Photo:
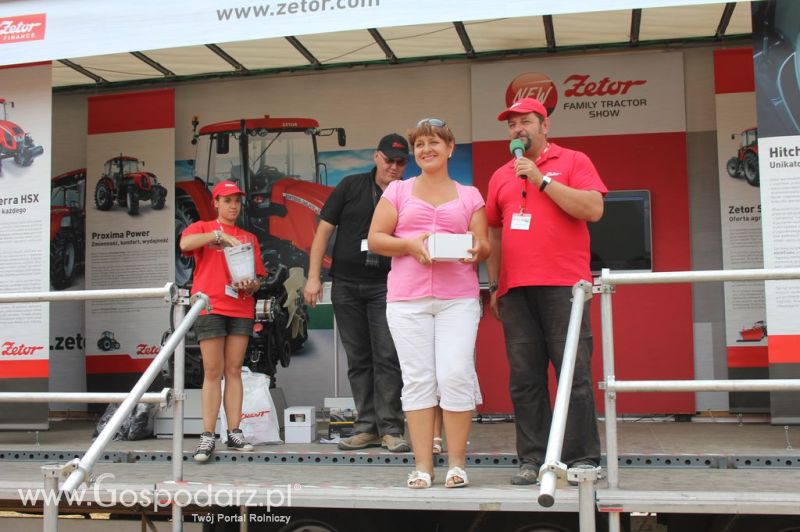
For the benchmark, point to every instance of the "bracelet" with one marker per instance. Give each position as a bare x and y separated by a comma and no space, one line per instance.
217,237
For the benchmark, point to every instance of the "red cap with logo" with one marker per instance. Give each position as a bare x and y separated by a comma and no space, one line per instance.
226,188
524,105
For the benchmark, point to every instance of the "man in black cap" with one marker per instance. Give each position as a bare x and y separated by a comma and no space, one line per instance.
359,298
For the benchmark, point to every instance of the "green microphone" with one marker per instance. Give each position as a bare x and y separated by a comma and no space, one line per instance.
517,149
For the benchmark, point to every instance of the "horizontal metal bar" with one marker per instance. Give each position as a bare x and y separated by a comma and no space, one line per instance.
87,295
78,397
608,277
754,385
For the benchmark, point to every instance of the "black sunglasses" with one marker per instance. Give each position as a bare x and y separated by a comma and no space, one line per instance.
435,122
399,162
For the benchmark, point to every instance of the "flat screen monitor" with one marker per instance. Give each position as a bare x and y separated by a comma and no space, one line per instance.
622,240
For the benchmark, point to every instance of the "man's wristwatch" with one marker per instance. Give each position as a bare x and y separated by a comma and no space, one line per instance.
545,181
492,287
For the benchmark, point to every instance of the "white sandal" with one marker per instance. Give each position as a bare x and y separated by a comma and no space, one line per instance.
437,446
454,473
418,476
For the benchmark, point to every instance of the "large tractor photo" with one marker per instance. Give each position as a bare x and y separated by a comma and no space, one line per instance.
67,227
745,163
15,143
125,182
275,161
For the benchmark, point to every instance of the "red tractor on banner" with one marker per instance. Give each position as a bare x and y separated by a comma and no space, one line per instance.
15,143
745,164
275,161
67,227
124,181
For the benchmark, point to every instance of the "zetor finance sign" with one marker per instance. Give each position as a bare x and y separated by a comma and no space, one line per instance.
22,28
578,87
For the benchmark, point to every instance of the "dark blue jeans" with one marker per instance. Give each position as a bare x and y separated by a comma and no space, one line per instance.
535,321
372,366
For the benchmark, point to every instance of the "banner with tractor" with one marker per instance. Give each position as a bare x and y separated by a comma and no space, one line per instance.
740,217
25,125
130,236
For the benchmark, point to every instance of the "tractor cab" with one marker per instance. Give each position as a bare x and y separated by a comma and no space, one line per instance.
69,190
5,103
749,138
119,166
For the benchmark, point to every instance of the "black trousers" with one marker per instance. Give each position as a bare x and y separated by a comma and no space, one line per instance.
535,321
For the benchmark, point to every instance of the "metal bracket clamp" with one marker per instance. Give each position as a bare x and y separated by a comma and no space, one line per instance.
60,470
196,296
586,286
559,469
584,473
603,288
172,297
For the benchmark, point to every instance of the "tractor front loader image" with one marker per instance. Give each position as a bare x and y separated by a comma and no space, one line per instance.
15,143
123,181
67,227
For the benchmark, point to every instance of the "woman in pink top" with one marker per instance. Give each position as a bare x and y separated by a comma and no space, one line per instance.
433,307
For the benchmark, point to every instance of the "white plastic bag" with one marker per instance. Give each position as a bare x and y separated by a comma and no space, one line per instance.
259,421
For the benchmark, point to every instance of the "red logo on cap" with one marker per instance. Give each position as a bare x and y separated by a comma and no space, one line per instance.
22,28
533,85
397,145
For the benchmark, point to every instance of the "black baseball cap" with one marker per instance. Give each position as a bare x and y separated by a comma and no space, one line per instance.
394,146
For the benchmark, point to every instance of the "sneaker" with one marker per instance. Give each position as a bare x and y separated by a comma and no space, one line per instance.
395,443
527,475
205,448
362,440
236,441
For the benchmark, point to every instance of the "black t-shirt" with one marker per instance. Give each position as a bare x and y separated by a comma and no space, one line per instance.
349,208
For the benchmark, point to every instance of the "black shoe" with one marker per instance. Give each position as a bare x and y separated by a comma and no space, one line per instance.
527,475
205,448
236,441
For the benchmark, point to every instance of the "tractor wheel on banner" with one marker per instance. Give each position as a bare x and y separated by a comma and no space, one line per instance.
159,197
105,344
751,168
62,261
103,194
132,199
733,167
185,215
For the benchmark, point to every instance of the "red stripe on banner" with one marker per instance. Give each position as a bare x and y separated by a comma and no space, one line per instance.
733,71
115,364
24,369
784,348
753,356
133,111
25,65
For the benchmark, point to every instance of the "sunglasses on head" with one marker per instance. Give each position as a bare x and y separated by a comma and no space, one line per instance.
399,162
435,122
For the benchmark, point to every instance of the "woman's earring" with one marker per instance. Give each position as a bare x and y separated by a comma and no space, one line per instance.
450,156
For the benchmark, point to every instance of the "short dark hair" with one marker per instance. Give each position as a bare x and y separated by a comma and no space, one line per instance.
427,130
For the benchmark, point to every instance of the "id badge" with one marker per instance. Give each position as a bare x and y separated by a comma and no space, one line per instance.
521,222
231,291
364,246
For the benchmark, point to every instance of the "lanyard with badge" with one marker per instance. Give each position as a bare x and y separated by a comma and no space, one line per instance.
521,221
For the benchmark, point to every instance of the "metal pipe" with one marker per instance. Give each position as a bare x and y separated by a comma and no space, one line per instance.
606,277
87,462
754,385
51,497
610,397
178,375
82,397
335,358
166,291
555,442
586,506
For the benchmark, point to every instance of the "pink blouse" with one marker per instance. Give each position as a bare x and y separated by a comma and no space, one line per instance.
409,279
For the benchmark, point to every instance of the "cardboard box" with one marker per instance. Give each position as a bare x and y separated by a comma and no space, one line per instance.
300,424
449,247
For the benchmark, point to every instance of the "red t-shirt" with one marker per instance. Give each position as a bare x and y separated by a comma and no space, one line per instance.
554,251
211,271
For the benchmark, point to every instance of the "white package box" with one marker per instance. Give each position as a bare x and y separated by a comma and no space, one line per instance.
241,262
299,424
449,247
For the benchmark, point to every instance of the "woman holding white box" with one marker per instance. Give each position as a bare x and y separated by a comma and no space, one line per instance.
433,305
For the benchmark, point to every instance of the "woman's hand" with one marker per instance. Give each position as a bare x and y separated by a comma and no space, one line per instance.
249,286
475,250
417,247
228,241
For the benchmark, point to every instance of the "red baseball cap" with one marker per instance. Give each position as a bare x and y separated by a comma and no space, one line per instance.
225,188
524,105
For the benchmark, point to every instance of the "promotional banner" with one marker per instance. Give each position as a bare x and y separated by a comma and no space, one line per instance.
35,30
777,72
129,231
740,213
25,126
627,113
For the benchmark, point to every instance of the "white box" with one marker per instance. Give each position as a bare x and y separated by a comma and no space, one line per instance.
449,247
300,424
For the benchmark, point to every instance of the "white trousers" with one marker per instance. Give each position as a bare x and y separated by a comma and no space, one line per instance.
435,341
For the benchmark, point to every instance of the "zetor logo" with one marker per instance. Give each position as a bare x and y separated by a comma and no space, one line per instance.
262,413
23,28
533,85
580,85
144,349
15,349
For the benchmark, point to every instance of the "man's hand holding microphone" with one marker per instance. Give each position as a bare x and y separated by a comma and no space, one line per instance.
524,167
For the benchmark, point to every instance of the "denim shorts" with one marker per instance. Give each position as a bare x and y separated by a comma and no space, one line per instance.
214,325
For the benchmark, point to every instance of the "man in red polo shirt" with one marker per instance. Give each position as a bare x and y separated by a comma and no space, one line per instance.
537,207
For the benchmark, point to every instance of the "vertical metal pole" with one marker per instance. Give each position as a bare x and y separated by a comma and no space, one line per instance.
335,358
51,473
612,451
179,396
586,505
244,518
